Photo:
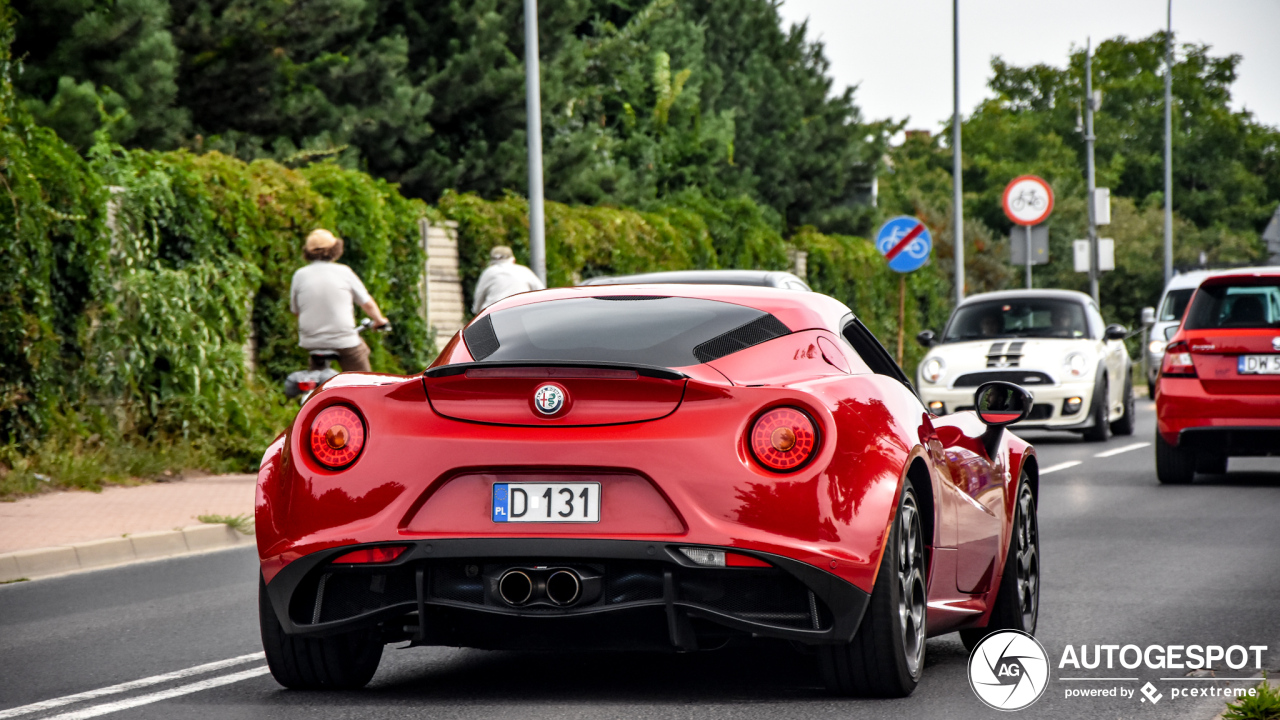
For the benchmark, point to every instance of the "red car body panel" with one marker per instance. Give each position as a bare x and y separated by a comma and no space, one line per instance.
672,457
1218,396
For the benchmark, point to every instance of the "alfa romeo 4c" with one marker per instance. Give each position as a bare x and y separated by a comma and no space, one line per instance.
664,466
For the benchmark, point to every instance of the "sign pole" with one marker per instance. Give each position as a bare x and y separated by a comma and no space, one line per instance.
1090,180
902,312
957,184
1028,229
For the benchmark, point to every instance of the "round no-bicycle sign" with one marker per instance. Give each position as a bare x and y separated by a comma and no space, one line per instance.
1028,200
905,242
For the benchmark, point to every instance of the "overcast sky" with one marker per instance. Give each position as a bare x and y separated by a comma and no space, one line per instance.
898,52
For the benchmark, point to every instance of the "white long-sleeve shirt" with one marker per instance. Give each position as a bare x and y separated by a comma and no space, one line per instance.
503,279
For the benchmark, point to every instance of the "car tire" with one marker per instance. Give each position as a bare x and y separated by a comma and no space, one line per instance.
337,662
1174,465
1017,601
886,657
1125,425
1151,390
1101,430
1211,463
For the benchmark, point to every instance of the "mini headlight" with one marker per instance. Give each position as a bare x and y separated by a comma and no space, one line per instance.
1076,364
1156,347
933,369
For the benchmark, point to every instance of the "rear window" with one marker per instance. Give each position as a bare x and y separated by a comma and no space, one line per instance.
1246,305
644,330
1175,304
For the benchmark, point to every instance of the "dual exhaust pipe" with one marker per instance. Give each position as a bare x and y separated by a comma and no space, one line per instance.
561,587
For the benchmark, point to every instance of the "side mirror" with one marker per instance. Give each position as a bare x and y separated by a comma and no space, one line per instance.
1148,316
926,338
999,404
1116,332
1170,331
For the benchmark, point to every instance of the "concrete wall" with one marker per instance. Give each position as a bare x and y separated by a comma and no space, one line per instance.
442,292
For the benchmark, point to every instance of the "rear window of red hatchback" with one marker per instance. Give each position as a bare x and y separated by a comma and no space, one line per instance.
1245,302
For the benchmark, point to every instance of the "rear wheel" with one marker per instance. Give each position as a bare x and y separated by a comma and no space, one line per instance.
1017,602
1174,465
886,657
337,662
1101,430
1125,425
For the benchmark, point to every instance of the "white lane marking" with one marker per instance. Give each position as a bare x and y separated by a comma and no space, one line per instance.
133,702
1060,466
131,685
1125,449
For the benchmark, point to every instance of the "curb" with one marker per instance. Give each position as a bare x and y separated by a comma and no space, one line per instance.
95,554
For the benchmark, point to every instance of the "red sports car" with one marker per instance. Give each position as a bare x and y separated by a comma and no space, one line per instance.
1218,392
660,466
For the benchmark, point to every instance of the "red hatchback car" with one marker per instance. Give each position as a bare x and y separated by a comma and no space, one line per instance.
662,466
1218,393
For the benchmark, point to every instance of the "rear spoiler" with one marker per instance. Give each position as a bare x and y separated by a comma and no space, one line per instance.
551,366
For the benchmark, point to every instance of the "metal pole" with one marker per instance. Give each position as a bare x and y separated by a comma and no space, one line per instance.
1088,140
957,200
1028,228
1168,151
533,106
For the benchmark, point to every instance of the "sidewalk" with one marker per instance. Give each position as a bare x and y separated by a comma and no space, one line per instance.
66,518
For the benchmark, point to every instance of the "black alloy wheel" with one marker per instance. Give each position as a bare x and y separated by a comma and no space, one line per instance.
886,656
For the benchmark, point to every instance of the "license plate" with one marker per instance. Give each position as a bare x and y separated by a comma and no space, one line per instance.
546,502
1259,365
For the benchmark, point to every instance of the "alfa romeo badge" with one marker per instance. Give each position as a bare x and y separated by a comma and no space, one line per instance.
549,399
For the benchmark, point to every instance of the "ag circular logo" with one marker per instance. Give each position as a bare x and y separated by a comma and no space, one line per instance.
549,399
1009,670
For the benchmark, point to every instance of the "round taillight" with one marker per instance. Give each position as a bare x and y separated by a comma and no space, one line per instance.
783,439
337,436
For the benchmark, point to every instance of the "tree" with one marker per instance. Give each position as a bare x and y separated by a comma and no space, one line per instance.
90,64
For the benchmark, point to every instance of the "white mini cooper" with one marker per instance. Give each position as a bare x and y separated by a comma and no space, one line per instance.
1051,342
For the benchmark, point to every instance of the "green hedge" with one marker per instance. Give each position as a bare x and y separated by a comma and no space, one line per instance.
695,232
137,284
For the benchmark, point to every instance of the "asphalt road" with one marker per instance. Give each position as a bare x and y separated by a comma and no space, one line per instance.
1125,561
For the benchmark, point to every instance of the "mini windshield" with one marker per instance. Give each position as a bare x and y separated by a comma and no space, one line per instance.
1175,304
1041,317
1236,306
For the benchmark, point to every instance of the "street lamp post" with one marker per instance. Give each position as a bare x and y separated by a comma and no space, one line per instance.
957,204
1168,151
1091,179
533,106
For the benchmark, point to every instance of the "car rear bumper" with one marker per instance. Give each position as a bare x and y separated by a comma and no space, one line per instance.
1236,425
443,592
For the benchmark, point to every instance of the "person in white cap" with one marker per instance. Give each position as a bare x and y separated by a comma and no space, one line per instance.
503,278
322,297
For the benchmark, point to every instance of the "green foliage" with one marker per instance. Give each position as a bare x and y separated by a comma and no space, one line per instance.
642,99
240,523
99,64
1263,706
144,320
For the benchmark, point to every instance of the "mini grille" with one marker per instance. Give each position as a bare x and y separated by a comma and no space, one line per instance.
482,341
1017,377
762,329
